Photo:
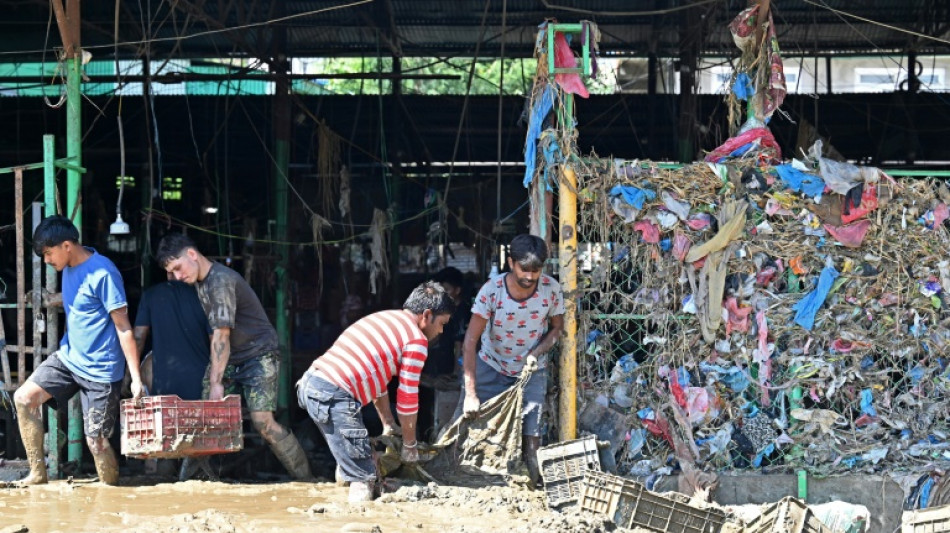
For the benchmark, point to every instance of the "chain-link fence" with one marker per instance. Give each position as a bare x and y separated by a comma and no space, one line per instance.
738,324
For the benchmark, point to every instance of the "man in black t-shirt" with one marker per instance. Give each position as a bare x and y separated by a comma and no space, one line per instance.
171,313
244,349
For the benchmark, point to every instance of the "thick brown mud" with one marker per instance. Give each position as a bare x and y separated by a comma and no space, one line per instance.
214,507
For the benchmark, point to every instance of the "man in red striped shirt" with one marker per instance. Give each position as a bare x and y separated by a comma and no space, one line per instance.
357,369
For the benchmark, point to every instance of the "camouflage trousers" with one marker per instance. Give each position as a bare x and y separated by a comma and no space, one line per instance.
255,379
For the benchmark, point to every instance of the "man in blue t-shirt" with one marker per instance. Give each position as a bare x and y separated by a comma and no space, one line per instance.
181,337
90,356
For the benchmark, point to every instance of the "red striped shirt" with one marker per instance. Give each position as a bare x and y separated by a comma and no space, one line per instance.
370,352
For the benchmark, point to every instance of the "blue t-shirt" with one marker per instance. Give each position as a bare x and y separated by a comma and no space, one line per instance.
90,347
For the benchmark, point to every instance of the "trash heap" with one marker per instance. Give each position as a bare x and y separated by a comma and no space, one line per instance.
748,312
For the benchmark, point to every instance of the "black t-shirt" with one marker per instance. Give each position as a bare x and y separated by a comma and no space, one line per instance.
440,360
180,338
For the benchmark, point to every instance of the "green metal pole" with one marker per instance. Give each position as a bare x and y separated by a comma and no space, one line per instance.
49,207
282,133
74,211
282,164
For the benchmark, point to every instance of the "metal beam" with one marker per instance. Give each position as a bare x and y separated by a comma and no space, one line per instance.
174,77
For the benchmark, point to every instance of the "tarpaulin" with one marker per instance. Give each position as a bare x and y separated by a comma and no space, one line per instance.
851,235
564,58
539,110
798,181
634,196
808,306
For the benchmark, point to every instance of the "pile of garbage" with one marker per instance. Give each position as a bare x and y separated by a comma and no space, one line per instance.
746,312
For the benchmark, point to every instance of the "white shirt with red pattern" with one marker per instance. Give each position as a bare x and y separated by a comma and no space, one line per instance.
371,351
515,326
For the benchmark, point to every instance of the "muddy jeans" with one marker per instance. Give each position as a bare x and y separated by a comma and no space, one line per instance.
337,414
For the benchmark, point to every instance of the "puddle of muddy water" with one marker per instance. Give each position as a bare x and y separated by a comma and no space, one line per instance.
212,507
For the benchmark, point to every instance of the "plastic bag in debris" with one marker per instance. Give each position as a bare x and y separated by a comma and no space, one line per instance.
733,377
742,86
634,196
868,199
677,207
935,217
650,232
843,517
681,246
807,307
564,58
624,210
736,318
760,139
636,440
798,181
851,235
842,177
666,219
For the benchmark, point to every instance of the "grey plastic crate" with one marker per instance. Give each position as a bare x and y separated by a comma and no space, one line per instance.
563,466
629,504
933,520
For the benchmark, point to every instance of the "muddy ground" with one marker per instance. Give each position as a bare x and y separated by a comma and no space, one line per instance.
142,505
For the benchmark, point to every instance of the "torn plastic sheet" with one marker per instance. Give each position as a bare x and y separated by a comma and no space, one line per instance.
564,58
807,307
798,181
539,111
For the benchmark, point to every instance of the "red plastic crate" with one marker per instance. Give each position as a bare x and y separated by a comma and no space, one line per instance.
169,427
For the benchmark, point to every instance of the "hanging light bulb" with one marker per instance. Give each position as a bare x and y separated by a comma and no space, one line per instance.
120,227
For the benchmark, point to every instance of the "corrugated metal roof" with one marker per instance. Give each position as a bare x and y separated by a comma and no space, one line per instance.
438,27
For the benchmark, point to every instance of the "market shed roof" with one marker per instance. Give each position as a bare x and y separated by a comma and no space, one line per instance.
205,28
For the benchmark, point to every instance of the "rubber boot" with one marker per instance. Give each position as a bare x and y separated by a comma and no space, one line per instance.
529,451
107,467
31,433
292,456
